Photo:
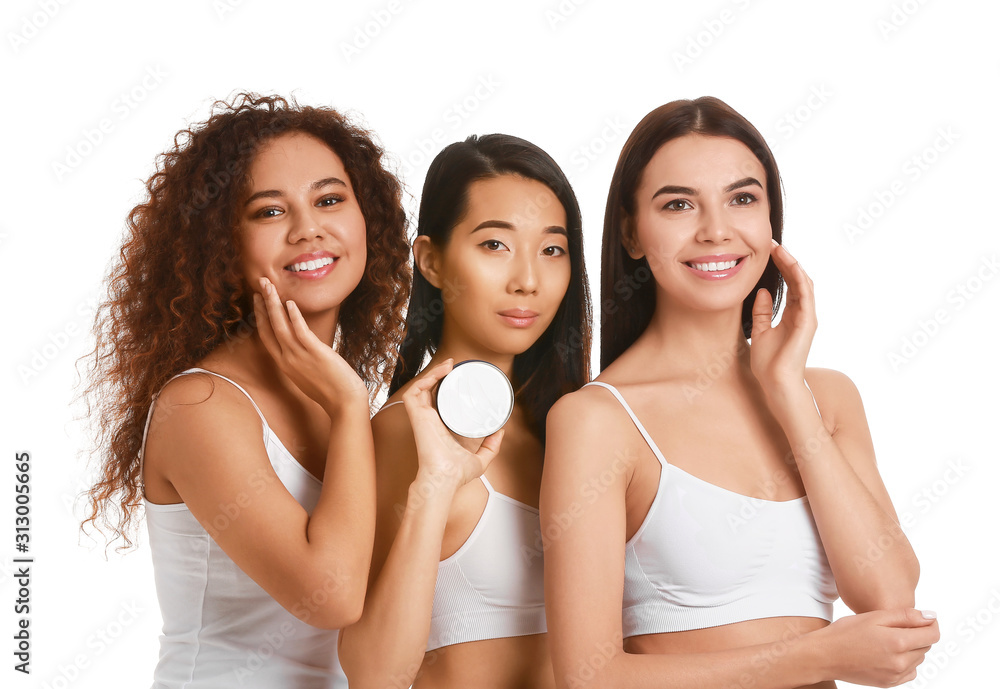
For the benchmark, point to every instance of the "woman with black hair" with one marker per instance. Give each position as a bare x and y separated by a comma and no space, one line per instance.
455,593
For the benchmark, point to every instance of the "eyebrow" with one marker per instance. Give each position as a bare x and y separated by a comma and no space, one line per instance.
276,193
672,189
504,225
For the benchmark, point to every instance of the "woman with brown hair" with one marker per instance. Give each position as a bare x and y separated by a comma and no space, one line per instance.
701,508
256,306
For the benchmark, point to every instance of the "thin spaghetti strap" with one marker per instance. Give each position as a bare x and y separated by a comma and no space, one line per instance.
386,406
486,482
233,383
149,414
635,419
815,404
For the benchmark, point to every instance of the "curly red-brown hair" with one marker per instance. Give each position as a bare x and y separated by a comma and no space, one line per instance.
177,292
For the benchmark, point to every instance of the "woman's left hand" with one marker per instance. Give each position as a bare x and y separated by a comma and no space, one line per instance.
778,353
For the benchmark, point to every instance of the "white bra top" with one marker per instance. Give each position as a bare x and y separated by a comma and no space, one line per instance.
705,556
220,628
492,586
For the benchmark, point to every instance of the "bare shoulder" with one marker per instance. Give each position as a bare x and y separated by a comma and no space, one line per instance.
198,411
836,394
589,424
391,426
396,460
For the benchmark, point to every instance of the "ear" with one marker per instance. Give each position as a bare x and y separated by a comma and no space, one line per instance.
632,247
427,259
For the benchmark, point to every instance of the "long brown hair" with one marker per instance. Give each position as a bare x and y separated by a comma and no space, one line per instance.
628,292
176,292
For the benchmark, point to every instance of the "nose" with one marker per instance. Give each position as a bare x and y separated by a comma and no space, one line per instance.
713,225
306,225
523,275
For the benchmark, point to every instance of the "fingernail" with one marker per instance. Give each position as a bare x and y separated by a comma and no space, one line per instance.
774,242
928,614
291,304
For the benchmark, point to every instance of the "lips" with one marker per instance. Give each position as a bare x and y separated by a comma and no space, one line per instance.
518,318
716,267
312,265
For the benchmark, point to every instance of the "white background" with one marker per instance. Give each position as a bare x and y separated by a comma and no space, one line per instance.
847,93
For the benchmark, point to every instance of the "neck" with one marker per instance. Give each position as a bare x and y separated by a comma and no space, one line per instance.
250,355
690,342
324,325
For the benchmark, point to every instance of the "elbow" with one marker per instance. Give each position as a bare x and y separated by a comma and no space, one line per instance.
891,592
332,600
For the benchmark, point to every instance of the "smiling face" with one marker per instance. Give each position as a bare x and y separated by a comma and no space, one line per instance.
505,269
301,226
702,221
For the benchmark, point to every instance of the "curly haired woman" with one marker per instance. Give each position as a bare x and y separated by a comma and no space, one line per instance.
252,313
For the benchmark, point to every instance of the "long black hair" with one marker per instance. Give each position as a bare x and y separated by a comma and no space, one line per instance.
559,362
627,291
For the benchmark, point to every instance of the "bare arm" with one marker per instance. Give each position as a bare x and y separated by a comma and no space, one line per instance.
871,558
584,574
206,439
417,479
210,448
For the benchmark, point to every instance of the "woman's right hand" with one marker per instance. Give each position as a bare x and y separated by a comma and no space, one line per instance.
315,367
881,648
442,459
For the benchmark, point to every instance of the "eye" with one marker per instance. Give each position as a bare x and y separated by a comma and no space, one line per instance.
744,198
493,245
268,212
331,200
678,205
554,250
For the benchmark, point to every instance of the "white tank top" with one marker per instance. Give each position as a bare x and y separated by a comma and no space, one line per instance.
705,556
492,586
221,629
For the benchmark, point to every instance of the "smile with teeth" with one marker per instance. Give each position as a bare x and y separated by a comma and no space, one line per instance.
713,266
310,265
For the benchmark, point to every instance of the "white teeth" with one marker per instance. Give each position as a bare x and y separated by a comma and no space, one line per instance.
713,266
310,265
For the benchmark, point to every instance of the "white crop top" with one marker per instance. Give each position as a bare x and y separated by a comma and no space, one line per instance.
492,586
705,556
220,628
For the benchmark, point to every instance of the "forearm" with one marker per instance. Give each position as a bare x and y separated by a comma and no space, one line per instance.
341,529
787,663
871,559
385,648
